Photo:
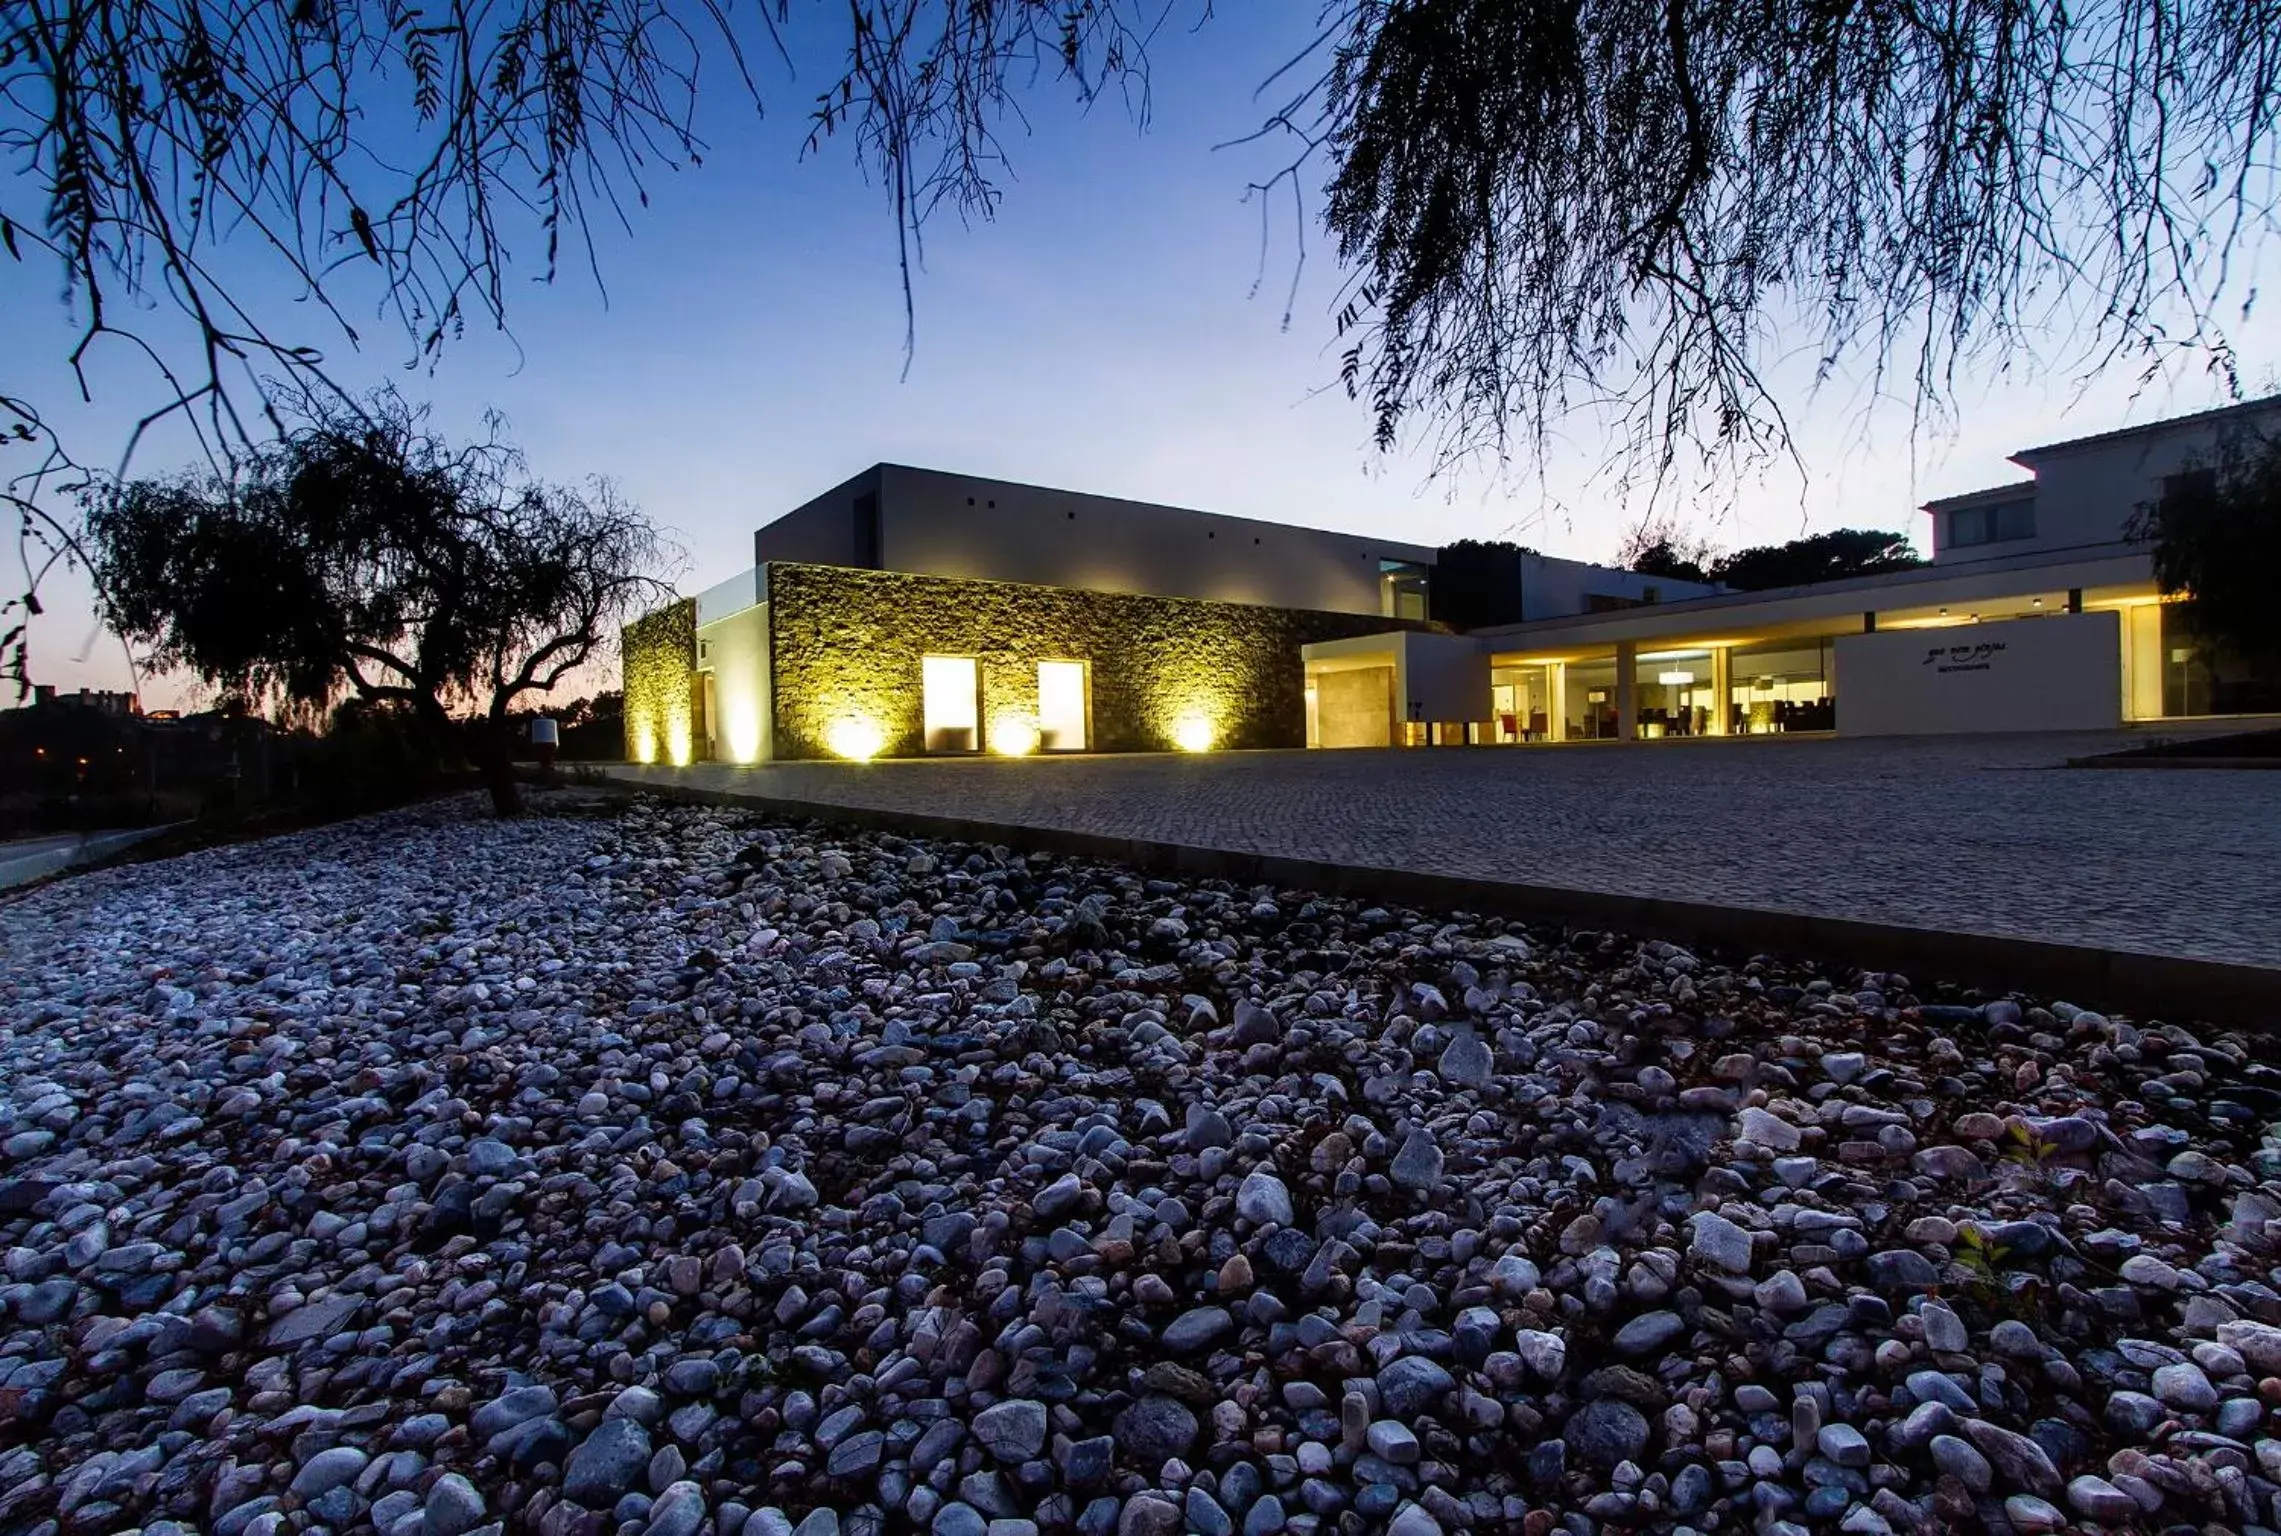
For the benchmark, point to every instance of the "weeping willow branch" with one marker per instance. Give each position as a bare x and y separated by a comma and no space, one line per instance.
1633,204
406,158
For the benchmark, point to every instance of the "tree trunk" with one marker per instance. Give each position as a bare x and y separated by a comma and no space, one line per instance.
497,766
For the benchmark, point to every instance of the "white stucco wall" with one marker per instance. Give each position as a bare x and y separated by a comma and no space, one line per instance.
1443,678
2087,490
1436,678
2062,673
1553,588
1069,539
735,651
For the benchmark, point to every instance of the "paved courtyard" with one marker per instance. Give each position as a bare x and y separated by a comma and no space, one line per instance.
1982,835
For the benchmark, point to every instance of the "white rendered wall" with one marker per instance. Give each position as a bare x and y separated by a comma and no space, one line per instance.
735,651
2062,673
1098,543
1443,678
1436,678
2086,494
1553,588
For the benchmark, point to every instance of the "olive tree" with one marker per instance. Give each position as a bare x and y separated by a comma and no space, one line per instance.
364,555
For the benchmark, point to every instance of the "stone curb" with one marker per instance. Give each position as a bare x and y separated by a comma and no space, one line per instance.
2169,987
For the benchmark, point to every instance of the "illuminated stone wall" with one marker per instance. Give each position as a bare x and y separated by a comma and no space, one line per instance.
845,647
660,658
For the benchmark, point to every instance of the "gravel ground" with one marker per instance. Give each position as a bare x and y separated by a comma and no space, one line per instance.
659,1169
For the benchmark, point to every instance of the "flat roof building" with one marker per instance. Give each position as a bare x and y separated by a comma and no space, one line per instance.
911,611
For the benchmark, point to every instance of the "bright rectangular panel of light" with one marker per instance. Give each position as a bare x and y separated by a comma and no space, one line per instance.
1061,706
948,697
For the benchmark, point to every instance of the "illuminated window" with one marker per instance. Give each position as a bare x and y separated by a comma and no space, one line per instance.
1061,706
950,694
1402,589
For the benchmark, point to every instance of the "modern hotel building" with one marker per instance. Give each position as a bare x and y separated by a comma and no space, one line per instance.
911,612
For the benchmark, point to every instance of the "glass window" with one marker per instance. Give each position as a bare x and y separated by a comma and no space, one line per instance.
1782,688
1402,589
1968,526
1591,699
950,696
1061,706
1672,693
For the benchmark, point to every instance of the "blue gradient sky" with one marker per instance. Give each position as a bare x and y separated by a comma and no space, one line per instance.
1101,334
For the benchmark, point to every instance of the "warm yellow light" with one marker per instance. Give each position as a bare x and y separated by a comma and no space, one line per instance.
855,738
645,745
1192,733
1013,736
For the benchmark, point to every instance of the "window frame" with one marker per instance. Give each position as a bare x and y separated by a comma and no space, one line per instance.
973,726
1084,698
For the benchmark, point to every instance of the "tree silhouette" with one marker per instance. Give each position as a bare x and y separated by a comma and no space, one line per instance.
1831,556
1618,205
363,554
2216,537
408,159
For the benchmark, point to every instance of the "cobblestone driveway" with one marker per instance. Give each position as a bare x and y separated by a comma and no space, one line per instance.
1982,835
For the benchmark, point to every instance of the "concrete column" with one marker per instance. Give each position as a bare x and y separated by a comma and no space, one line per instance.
2074,599
1722,689
1556,701
1627,692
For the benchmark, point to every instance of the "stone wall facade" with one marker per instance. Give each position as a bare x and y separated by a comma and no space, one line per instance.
659,657
846,645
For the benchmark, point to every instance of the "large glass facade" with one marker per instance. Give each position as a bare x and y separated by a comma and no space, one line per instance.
1523,706
2201,679
1782,687
1590,699
1675,693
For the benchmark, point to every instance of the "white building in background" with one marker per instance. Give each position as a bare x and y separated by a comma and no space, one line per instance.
2035,613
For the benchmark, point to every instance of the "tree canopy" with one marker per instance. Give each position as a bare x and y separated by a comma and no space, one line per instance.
1831,556
1659,546
172,160
2216,540
363,553
1638,205
1477,582
1625,207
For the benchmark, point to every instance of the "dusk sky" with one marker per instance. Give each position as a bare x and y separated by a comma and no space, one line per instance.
1101,335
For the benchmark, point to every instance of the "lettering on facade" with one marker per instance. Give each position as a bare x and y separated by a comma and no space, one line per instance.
1963,658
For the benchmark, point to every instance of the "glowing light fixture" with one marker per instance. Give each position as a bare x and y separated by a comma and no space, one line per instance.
1013,736
1192,733
1675,679
856,738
